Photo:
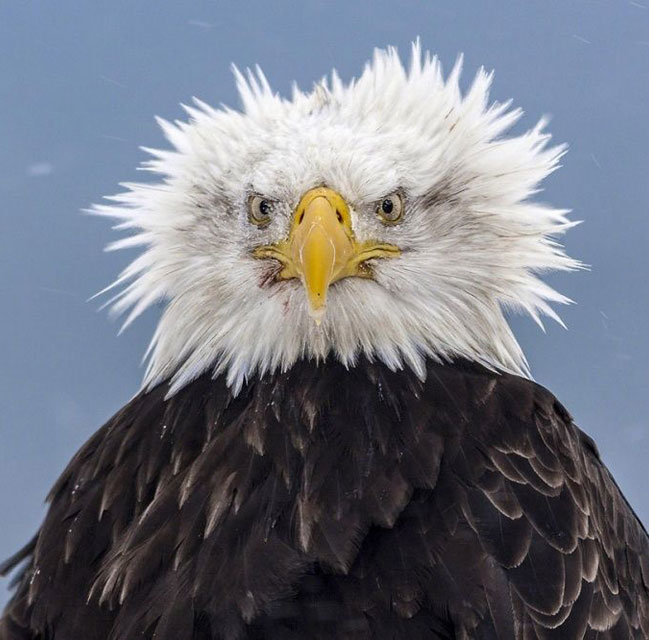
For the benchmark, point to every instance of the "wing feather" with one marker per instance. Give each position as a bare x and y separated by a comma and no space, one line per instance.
582,570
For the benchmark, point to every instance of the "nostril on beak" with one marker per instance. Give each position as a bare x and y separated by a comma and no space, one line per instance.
339,216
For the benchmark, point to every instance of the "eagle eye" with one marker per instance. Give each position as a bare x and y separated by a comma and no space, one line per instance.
260,210
390,208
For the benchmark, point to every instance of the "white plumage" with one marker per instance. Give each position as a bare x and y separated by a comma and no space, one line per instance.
473,241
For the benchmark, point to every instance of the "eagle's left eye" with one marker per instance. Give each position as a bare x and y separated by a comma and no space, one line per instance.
390,209
260,210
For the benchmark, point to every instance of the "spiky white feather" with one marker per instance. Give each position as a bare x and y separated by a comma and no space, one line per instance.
473,241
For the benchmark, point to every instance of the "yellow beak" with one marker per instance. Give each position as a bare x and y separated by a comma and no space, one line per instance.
321,247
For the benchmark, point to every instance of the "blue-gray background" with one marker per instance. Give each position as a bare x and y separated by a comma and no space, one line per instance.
81,81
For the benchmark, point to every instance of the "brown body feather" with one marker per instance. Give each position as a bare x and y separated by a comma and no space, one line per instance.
335,503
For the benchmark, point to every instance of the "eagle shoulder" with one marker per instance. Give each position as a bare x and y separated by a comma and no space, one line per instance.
557,538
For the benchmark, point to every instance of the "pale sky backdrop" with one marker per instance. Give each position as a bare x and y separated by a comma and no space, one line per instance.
80,83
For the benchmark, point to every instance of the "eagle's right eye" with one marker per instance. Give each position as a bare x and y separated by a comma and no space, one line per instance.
260,210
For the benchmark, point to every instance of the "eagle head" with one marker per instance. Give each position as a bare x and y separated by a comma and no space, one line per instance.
388,217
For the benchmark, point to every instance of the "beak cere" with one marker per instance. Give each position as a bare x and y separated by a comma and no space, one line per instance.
321,247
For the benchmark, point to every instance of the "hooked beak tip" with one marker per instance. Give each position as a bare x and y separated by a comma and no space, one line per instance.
317,314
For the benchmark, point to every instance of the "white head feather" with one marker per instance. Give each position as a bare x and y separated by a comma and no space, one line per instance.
472,240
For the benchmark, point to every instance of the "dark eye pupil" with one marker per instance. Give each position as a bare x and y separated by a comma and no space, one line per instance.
387,206
265,208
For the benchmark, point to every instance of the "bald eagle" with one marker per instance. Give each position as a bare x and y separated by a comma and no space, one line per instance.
337,435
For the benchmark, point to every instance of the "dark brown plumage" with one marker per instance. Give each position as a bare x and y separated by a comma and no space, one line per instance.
335,503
